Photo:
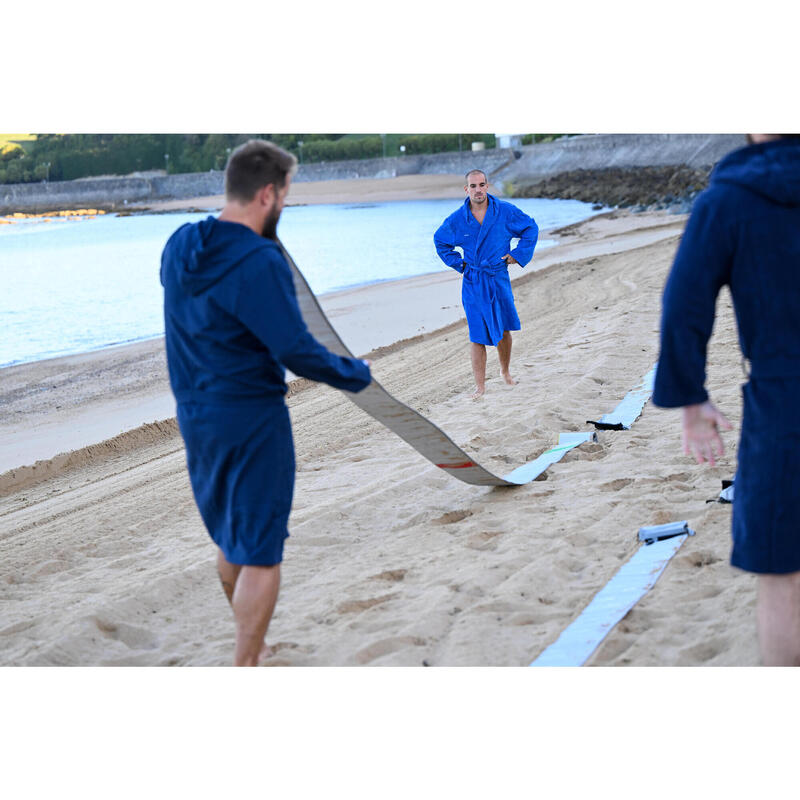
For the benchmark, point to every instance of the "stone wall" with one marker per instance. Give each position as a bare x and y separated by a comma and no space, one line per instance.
105,193
116,193
439,164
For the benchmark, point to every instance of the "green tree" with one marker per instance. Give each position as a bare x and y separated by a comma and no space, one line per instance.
14,171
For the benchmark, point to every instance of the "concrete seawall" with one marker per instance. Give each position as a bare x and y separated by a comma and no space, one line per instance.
532,162
600,151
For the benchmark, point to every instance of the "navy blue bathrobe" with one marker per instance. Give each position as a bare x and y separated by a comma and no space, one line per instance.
744,232
486,288
232,325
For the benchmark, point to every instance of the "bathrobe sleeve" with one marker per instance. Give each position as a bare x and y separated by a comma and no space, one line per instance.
702,266
267,305
445,240
519,224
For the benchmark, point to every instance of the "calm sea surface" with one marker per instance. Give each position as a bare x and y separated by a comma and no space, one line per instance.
72,285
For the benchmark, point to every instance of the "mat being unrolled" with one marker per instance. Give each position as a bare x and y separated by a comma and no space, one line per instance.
411,426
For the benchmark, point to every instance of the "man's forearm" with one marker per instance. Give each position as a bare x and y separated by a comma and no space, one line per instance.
452,259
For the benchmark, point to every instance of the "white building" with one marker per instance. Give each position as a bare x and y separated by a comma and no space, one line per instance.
505,140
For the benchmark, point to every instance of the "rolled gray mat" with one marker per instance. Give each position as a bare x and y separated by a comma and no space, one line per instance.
410,425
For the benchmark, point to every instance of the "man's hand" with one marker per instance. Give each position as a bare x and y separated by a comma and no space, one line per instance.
701,426
509,259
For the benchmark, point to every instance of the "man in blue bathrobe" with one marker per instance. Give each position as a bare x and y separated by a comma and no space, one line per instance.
232,325
744,231
483,228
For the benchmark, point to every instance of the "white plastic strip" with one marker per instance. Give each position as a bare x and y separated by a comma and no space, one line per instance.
566,441
634,579
628,411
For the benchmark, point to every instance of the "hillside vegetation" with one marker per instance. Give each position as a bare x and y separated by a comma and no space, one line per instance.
61,157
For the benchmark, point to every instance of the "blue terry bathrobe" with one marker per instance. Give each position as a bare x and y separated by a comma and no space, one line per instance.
486,287
232,325
744,231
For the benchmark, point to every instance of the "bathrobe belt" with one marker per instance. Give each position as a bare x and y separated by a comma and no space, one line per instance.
481,280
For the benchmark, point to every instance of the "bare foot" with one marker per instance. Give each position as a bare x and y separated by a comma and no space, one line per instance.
479,390
509,380
266,652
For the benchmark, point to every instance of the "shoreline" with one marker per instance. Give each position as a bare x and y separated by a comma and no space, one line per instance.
407,188
341,291
338,192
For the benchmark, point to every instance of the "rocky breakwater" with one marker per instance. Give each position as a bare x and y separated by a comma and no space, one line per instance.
641,188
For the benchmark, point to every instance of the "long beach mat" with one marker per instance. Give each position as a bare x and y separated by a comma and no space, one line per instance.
414,429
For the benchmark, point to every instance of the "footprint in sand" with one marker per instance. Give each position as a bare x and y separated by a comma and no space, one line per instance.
453,516
612,649
483,541
16,628
286,654
700,558
386,646
50,568
615,486
700,653
681,477
523,619
545,600
130,635
662,518
392,575
353,606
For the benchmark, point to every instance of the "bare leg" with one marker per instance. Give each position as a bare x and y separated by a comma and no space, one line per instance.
504,354
779,619
253,603
478,358
228,573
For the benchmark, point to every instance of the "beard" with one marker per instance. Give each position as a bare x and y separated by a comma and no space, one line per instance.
270,229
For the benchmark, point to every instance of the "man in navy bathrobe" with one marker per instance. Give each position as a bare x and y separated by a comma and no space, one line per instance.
232,325
483,228
744,231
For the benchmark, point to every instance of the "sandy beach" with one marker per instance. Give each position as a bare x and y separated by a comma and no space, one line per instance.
390,561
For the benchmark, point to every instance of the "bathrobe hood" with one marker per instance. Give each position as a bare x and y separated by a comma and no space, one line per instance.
770,169
204,252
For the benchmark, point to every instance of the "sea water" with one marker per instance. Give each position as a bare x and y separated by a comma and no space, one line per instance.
70,285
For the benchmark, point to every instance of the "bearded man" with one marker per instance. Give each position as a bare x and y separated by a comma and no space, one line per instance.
232,325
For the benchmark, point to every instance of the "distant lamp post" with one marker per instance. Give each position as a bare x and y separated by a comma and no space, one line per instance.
402,149
383,141
47,176
227,155
300,147
166,163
